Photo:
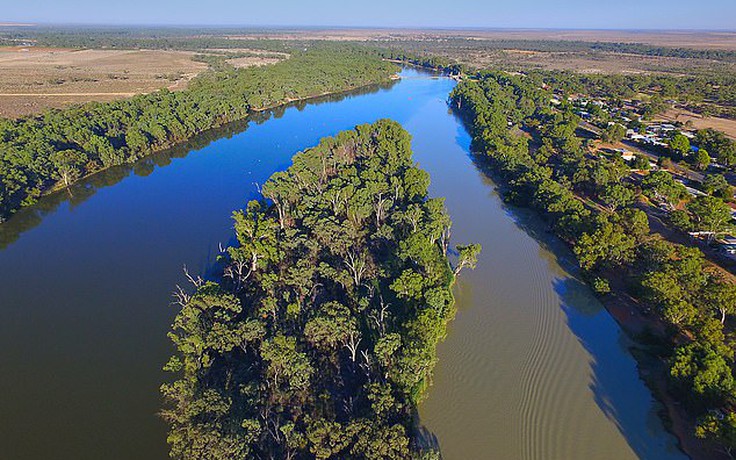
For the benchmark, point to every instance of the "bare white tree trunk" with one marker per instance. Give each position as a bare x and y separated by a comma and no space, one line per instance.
352,343
357,265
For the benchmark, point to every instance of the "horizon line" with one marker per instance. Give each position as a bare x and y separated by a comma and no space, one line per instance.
349,27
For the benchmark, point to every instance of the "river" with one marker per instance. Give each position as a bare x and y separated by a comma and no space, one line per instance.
533,367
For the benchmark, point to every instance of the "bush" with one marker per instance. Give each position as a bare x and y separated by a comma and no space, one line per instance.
681,220
600,285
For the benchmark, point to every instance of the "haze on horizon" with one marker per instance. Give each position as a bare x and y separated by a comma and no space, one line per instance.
565,14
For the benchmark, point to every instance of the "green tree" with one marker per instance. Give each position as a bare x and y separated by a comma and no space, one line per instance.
680,219
679,146
69,165
721,298
716,185
721,428
617,196
467,257
609,244
661,187
701,369
710,214
701,160
641,162
614,133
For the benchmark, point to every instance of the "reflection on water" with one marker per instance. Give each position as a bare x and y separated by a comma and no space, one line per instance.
533,367
27,218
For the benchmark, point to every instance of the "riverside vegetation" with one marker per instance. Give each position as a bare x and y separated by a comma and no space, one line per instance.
319,338
59,146
590,204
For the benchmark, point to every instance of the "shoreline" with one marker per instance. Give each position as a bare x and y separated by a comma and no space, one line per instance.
652,371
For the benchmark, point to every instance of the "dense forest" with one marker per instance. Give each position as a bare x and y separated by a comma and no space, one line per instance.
590,203
112,37
319,338
60,146
467,45
238,37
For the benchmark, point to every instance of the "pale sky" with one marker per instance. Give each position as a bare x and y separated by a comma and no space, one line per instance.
580,14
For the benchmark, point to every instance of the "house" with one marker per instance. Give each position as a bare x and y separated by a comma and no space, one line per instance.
728,244
638,137
626,155
694,191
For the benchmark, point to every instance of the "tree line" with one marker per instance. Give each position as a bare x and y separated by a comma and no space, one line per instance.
232,37
58,147
142,37
590,203
319,338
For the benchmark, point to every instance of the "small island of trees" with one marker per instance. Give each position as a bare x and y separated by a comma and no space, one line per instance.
319,338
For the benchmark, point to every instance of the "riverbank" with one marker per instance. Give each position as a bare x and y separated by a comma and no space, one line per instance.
653,370
640,328
288,101
61,185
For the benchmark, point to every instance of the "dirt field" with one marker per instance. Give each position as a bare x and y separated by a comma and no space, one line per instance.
676,39
439,42
700,122
251,61
253,58
32,79
598,62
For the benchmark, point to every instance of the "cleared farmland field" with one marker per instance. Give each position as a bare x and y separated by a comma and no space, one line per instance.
32,79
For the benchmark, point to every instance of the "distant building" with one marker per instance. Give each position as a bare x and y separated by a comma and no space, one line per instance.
694,191
626,155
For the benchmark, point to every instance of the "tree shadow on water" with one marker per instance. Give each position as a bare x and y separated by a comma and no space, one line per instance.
615,383
424,438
